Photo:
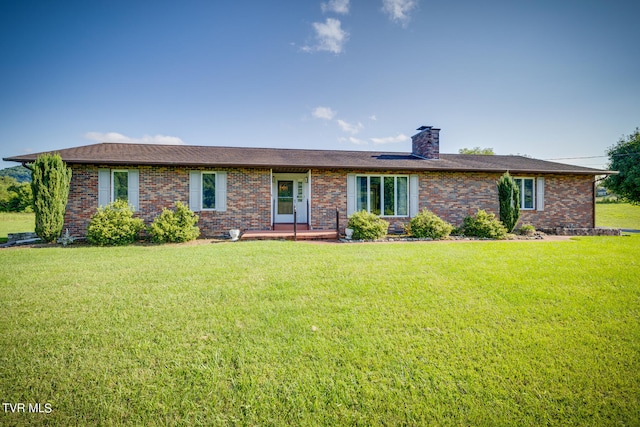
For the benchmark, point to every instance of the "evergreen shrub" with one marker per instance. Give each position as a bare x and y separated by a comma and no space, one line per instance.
484,225
175,226
428,225
527,230
509,200
114,225
367,226
50,188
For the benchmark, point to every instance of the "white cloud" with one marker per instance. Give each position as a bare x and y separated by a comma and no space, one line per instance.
330,36
325,113
398,10
353,140
373,118
348,127
390,139
337,6
146,139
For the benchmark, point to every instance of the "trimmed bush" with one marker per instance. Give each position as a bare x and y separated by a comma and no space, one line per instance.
428,225
367,226
175,226
527,230
484,225
114,224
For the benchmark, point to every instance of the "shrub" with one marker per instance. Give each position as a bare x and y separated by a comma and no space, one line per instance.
428,224
175,226
527,230
50,188
509,200
367,226
484,225
114,224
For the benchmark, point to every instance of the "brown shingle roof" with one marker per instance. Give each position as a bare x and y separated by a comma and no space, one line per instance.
209,156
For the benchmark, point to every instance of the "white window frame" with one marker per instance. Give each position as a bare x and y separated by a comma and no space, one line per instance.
215,180
534,192
113,183
395,190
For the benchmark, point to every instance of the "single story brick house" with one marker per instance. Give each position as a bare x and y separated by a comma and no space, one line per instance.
259,188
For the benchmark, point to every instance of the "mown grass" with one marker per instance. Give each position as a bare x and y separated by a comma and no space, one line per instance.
13,222
284,333
618,215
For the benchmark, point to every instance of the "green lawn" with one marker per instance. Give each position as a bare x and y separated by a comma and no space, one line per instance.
521,333
618,215
11,222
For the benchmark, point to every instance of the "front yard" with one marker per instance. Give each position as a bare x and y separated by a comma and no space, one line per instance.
283,333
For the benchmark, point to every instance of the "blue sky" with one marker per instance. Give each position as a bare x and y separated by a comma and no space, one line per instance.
550,79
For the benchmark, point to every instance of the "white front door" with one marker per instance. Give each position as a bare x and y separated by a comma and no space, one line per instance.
289,193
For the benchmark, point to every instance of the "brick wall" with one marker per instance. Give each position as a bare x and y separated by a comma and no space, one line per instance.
454,195
328,193
248,198
451,195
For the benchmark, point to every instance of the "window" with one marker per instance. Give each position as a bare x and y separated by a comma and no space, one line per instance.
383,195
208,190
120,185
527,192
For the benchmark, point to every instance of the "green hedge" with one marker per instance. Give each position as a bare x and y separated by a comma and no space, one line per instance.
484,225
367,226
114,225
175,226
428,225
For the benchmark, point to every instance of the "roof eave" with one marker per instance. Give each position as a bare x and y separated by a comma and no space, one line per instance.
431,167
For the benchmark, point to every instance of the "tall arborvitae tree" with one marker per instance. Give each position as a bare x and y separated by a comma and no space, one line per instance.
50,185
509,198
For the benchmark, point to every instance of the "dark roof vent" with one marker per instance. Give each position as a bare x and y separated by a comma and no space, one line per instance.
421,128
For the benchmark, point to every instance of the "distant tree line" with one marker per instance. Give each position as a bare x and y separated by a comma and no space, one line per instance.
477,150
15,190
19,173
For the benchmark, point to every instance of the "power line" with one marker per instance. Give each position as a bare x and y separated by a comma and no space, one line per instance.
594,157
576,158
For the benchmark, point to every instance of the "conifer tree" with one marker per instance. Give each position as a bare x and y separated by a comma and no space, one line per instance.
50,185
509,198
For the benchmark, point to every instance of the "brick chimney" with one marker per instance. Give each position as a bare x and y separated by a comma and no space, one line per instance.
426,143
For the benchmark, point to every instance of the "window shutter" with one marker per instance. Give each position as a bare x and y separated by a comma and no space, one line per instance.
104,187
221,191
414,189
540,194
133,188
351,194
194,190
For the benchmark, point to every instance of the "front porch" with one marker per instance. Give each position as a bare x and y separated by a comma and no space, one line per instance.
289,232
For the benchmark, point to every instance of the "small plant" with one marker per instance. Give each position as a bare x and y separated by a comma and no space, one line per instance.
367,226
428,225
484,225
113,225
175,226
527,230
66,238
